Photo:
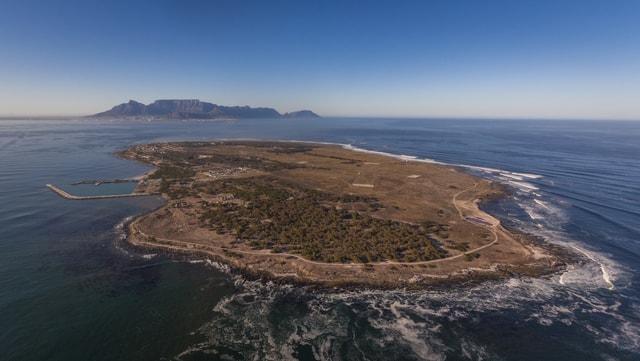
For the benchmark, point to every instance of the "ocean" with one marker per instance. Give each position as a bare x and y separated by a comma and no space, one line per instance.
71,288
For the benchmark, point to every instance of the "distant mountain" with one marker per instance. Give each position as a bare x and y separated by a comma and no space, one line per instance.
195,109
301,114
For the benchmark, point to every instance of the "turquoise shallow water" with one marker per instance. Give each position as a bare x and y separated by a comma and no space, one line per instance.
71,289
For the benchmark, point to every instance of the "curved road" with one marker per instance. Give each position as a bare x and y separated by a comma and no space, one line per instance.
212,249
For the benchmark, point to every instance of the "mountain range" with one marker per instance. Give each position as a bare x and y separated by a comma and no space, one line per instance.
195,109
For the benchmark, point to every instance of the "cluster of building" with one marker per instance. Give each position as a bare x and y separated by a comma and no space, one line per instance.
226,172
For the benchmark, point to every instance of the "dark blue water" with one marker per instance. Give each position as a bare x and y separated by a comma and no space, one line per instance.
72,289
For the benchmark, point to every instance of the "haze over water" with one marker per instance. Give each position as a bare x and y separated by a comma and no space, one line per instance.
72,289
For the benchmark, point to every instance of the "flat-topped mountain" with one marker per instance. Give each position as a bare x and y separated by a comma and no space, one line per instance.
195,109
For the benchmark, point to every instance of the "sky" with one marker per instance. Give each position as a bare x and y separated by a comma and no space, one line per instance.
576,59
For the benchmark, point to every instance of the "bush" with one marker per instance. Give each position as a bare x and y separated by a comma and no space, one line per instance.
471,256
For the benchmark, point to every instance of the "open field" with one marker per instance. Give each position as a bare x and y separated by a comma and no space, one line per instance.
326,215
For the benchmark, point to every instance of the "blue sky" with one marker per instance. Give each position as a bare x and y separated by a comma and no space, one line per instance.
429,58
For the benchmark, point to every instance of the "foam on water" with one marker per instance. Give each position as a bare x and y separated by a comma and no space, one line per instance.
541,203
527,175
549,218
485,169
120,230
603,269
418,325
524,186
512,176
549,221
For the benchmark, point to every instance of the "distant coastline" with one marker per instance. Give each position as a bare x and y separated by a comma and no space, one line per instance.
194,109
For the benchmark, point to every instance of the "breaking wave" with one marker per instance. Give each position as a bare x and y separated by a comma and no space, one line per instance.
269,322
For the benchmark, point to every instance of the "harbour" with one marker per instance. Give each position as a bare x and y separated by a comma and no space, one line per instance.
67,195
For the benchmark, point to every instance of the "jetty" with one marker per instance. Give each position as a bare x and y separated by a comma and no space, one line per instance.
66,195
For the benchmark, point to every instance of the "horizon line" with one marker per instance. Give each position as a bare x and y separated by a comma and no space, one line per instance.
408,117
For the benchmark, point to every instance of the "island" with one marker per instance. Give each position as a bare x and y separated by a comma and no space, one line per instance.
330,216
